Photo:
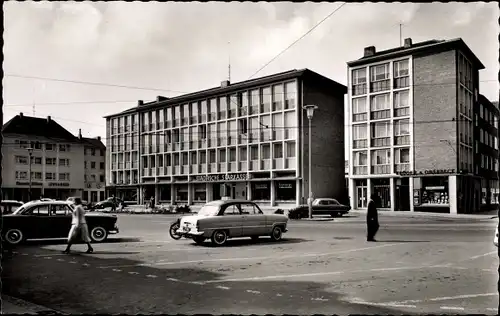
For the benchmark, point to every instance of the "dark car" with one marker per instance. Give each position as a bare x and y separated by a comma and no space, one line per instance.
108,203
52,219
9,206
323,206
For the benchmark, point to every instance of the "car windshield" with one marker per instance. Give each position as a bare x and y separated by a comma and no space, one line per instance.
209,210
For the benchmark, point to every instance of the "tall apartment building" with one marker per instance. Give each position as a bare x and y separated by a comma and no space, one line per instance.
486,134
242,140
411,127
95,169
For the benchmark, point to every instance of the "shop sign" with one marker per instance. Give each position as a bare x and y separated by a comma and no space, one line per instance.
261,186
58,184
426,172
284,185
27,183
435,188
222,177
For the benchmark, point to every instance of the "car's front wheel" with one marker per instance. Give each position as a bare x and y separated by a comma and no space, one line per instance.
219,238
277,233
98,234
14,236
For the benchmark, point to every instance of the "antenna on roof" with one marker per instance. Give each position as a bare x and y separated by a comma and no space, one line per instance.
229,62
400,35
34,90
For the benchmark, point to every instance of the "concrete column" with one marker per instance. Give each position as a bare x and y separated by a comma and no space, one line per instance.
273,192
392,184
190,193
210,192
352,194
140,195
172,194
368,190
412,207
249,190
157,193
298,192
452,192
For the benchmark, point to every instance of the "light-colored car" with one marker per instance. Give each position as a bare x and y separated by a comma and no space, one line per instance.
224,219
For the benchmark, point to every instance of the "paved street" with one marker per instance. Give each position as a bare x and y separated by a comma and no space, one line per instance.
419,265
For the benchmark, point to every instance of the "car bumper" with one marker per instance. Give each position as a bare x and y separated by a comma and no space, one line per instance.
114,230
189,233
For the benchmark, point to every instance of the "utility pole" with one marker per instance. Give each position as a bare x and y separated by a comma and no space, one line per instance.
30,152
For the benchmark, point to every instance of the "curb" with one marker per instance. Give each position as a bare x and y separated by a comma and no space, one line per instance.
13,305
434,215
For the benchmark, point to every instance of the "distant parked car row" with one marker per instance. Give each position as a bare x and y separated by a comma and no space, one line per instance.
321,206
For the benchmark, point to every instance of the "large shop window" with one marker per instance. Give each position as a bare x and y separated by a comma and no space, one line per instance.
200,193
165,193
434,191
181,193
261,191
382,187
285,190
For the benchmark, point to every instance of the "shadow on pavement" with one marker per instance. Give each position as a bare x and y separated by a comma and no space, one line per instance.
261,241
79,288
405,241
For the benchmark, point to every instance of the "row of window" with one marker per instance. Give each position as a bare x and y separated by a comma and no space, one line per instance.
265,99
24,160
381,161
488,115
380,77
93,178
380,106
23,175
93,165
465,72
92,151
380,134
40,146
489,163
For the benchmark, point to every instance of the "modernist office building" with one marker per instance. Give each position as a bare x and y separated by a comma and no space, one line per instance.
55,156
244,140
411,127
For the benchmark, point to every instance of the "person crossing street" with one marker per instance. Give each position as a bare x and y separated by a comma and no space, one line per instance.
372,218
79,227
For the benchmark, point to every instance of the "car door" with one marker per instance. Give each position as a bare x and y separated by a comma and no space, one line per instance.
232,220
60,220
320,206
254,221
38,222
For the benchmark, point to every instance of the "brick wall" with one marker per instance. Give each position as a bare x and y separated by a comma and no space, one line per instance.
435,106
327,143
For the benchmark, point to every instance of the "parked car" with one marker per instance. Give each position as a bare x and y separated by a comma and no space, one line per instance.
108,203
52,219
320,206
9,206
224,219
71,199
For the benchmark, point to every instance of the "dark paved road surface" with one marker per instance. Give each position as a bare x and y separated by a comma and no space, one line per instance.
418,266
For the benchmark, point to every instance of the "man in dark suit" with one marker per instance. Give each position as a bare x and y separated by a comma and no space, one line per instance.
372,224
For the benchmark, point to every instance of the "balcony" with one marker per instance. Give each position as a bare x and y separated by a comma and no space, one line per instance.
265,164
212,167
360,117
243,166
402,167
381,169
398,112
232,167
222,167
203,168
381,142
278,163
360,170
360,143
254,165
379,115
290,163
402,140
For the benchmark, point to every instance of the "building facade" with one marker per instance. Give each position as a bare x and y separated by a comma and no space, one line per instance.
486,153
245,140
411,119
95,169
54,155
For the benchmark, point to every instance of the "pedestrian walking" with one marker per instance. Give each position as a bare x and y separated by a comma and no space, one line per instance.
372,224
152,203
113,204
78,227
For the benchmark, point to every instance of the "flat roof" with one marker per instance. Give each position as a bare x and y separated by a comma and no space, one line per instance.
287,75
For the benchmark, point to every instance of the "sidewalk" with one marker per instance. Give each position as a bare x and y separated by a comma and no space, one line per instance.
481,216
12,305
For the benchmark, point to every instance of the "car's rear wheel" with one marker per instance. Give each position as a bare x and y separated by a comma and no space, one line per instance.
199,240
219,238
14,236
98,234
277,233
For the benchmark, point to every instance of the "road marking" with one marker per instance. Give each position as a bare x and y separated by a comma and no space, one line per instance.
117,270
222,287
446,298
51,255
133,272
151,276
390,304
453,308
72,262
197,282
321,299
173,279
278,294
253,292
492,309
85,264
483,255
24,254
60,259
47,257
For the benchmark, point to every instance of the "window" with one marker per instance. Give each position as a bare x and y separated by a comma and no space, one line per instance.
50,147
64,176
50,161
243,154
401,99
21,175
38,160
381,157
36,175
402,127
64,162
50,176
249,209
222,155
359,105
23,144
202,131
380,102
59,210
22,160
360,158
101,178
359,76
243,126
42,210
380,129
401,68
379,72
232,210
265,151
64,147
92,165
101,165
290,95
232,154
402,155
290,149
359,131
278,151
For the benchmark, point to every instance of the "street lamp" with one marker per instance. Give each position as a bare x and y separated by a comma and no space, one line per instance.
30,152
310,112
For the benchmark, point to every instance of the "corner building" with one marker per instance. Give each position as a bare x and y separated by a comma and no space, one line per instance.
244,140
411,127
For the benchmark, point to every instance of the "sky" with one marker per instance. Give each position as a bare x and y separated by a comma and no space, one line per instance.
175,48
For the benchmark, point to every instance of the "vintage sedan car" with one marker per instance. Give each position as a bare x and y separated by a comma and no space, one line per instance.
320,206
52,219
108,203
224,219
9,206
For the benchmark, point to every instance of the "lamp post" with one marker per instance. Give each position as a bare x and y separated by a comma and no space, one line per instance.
310,112
30,152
